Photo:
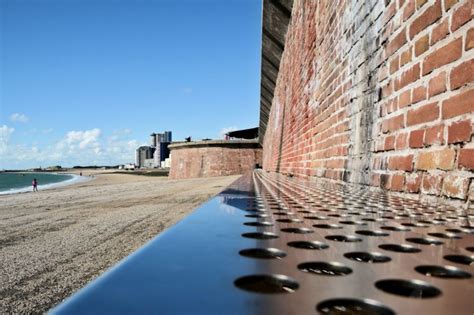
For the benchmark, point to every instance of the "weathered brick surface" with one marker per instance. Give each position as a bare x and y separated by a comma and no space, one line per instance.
466,159
459,131
440,159
431,184
434,135
378,93
459,104
455,186
437,85
442,56
470,39
462,74
423,114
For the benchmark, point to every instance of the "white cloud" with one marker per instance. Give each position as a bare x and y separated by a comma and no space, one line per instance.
17,117
226,130
77,147
5,133
84,139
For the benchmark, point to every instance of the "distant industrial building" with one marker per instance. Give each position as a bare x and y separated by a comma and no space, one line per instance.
156,153
144,155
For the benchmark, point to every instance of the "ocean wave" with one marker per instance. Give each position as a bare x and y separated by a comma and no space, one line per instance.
75,179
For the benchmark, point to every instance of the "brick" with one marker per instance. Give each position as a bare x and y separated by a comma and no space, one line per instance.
441,159
405,57
383,73
397,182
428,17
385,181
419,94
401,141
404,99
458,105
440,31
455,186
401,163
434,135
423,114
379,145
377,163
390,12
466,159
408,10
387,89
389,143
431,184
409,76
422,45
416,138
462,74
420,3
413,183
449,3
393,124
442,56
394,65
462,15
469,39
398,41
375,179
459,131
437,84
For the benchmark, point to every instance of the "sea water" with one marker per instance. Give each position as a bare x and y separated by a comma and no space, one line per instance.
16,182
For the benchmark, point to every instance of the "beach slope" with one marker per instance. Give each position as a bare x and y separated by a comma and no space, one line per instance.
53,242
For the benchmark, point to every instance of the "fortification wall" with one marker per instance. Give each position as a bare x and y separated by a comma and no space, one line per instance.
379,93
214,158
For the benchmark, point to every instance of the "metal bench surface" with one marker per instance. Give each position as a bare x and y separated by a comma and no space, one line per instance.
270,244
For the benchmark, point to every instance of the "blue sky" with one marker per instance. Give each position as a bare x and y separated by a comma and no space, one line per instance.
86,81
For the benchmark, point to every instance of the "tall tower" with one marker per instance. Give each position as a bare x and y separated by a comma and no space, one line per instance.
168,136
137,157
159,138
153,140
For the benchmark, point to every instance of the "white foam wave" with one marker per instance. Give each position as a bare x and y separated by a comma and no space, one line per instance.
74,180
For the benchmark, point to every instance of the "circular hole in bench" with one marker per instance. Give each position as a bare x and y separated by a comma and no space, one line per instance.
260,235
269,284
325,268
400,248
353,307
263,253
367,257
443,272
344,238
308,245
408,288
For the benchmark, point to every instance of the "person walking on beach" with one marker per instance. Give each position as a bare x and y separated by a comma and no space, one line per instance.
35,184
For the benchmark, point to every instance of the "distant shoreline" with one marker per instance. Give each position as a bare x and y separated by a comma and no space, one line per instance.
74,180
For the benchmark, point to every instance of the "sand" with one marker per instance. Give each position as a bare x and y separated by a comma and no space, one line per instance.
55,241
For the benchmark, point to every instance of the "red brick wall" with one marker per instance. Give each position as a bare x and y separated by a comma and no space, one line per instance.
212,161
379,93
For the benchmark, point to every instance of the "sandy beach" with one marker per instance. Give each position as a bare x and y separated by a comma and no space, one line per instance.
55,241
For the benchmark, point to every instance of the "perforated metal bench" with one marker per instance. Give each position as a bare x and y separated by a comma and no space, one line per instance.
269,244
